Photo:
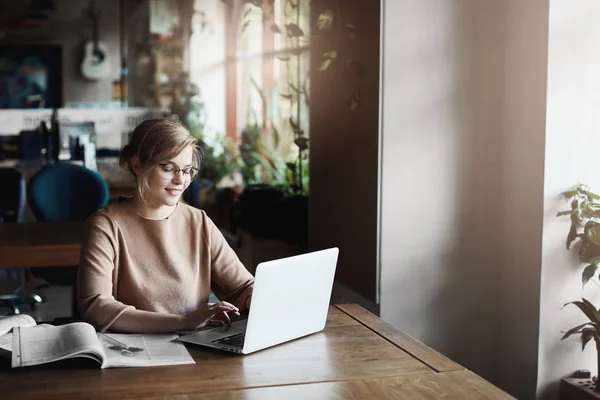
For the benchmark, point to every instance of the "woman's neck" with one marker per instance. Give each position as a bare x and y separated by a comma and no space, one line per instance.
151,211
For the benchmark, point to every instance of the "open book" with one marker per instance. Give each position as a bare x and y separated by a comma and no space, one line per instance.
6,326
41,344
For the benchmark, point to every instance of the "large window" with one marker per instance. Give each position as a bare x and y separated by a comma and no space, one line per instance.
251,63
272,70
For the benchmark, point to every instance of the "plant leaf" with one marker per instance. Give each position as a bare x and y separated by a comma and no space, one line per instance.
589,303
595,260
588,310
353,100
276,136
351,30
326,63
283,58
246,23
592,196
588,273
586,336
325,20
301,142
275,28
294,30
593,234
574,330
569,194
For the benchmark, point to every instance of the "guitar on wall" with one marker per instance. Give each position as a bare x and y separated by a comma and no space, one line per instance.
95,64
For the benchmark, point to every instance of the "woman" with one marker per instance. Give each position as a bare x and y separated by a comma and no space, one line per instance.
148,261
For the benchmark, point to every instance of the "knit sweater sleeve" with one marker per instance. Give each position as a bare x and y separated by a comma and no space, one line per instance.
231,281
97,268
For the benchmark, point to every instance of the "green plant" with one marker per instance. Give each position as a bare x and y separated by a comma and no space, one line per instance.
295,39
584,234
585,228
337,33
221,159
260,164
188,106
588,330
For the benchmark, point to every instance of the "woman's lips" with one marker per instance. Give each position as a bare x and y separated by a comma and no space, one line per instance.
174,192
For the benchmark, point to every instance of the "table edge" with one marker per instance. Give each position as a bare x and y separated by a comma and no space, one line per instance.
418,350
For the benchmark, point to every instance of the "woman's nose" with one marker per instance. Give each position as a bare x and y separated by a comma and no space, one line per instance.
178,177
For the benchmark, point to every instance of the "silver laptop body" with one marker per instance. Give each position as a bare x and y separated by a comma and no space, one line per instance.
290,300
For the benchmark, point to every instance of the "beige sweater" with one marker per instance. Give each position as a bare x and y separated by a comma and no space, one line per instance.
165,266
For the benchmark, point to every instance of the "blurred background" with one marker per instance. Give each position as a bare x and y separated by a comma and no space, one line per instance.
76,77
428,139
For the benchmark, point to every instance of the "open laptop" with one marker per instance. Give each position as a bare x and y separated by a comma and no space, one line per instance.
290,300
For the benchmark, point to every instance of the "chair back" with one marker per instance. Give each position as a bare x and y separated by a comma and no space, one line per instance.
13,199
66,192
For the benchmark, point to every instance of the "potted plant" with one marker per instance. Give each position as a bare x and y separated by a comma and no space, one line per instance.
584,235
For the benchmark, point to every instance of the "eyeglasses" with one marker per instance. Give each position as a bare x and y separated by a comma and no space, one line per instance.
170,170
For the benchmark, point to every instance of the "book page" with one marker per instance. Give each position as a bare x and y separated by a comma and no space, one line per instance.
39,346
6,341
147,350
7,323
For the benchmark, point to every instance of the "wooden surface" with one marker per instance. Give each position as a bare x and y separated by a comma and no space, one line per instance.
348,360
578,389
447,385
40,244
426,355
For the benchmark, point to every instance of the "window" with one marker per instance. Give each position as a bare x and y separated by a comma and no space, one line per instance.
272,70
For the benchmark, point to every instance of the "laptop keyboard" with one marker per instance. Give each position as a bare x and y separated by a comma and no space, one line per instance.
236,340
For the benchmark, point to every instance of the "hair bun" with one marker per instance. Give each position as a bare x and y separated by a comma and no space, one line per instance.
125,156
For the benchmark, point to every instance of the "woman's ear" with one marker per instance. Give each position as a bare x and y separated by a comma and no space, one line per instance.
136,165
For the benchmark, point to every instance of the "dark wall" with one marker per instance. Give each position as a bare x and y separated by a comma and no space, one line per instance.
69,27
344,142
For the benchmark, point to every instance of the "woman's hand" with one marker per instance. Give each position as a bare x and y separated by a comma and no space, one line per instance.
211,313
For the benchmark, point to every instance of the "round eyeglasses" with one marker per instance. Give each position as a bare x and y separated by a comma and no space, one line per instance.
169,170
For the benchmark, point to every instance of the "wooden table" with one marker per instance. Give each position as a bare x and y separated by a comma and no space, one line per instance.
40,244
357,356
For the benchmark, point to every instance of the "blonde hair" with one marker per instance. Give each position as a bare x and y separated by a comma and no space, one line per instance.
157,140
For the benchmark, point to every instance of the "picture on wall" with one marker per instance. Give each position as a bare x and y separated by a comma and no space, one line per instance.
30,76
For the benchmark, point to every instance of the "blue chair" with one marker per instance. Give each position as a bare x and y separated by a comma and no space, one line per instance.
65,192
13,201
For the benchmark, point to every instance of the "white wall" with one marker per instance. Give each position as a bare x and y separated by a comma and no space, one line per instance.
572,143
464,114
441,225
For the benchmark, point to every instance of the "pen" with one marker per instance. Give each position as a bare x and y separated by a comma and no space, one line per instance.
114,341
